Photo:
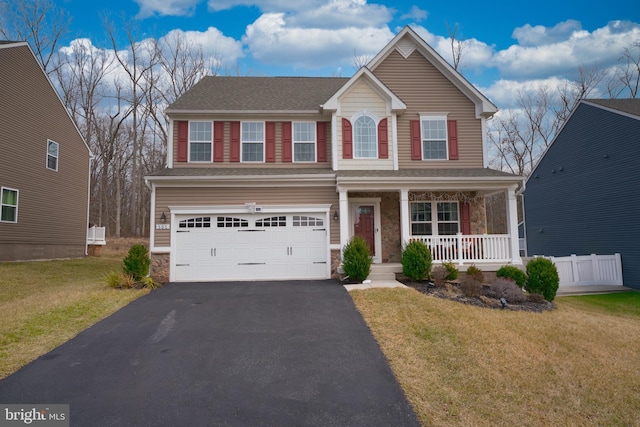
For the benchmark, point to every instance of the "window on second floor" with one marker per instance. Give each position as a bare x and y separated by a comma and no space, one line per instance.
434,218
52,155
365,138
9,205
200,141
304,142
434,138
252,141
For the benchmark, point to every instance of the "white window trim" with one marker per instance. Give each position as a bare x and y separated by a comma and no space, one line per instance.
264,145
434,116
57,156
376,122
17,203
189,141
294,142
434,217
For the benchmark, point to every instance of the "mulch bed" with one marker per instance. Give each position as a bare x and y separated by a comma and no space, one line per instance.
451,292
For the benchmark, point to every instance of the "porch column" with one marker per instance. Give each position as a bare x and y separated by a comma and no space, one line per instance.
344,218
405,232
512,225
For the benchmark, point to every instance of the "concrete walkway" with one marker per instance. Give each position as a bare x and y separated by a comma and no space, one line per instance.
370,284
564,291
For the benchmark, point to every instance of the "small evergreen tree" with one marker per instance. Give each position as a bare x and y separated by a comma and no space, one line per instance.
416,260
137,262
514,273
356,259
542,278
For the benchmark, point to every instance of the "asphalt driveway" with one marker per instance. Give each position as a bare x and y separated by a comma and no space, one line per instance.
222,354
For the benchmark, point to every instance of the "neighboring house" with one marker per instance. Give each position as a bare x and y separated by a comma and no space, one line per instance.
583,197
44,166
269,177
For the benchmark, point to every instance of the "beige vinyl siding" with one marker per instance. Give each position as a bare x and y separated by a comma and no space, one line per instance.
52,205
265,196
362,98
424,89
227,146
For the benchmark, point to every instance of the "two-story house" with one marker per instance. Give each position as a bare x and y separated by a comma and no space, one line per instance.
269,177
44,165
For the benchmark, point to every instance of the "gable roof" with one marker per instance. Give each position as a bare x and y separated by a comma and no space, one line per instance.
629,106
222,94
23,48
365,74
413,42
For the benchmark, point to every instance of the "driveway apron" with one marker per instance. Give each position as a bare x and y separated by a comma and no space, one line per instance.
222,354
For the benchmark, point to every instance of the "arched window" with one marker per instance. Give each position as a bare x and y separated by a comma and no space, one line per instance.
365,138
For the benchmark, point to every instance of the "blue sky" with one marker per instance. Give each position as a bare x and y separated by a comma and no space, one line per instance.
509,45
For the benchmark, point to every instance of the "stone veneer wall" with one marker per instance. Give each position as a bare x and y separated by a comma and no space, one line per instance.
160,267
389,222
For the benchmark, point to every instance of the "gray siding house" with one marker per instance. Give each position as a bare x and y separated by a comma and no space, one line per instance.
583,197
44,166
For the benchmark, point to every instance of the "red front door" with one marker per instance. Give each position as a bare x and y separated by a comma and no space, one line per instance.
364,226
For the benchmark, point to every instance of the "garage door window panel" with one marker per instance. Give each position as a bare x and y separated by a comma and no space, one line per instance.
232,222
200,222
274,221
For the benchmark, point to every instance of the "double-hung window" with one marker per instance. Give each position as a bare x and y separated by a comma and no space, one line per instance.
9,205
365,138
52,155
304,142
434,218
434,137
252,140
200,141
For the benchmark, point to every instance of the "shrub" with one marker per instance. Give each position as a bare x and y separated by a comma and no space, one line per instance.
137,262
439,276
542,278
149,283
513,272
452,270
114,280
356,260
506,288
537,298
475,273
470,286
416,260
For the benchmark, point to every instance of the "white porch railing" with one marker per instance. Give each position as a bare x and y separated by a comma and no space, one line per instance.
589,269
463,249
96,236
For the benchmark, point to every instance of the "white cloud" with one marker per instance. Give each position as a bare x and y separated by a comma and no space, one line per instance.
267,6
415,14
539,35
558,56
166,7
215,45
271,40
340,14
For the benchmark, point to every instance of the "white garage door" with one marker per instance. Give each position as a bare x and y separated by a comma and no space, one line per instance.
250,247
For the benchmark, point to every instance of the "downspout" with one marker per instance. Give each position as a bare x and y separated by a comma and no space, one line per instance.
86,228
524,217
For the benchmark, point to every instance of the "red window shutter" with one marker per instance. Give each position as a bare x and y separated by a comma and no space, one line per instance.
235,142
218,141
270,142
416,140
465,215
286,142
383,140
347,140
183,140
321,141
452,131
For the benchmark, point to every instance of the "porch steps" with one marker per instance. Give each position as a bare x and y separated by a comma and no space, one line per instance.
384,271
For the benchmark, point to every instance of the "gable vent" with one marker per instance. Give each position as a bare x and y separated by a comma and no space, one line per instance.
406,46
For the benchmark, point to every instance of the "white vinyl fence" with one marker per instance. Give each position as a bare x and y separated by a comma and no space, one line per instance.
589,270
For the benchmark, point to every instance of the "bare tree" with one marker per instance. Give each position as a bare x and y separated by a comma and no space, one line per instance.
626,79
359,60
40,22
457,46
135,62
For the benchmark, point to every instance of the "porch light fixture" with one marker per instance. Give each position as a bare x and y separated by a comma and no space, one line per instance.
336,216
163,217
